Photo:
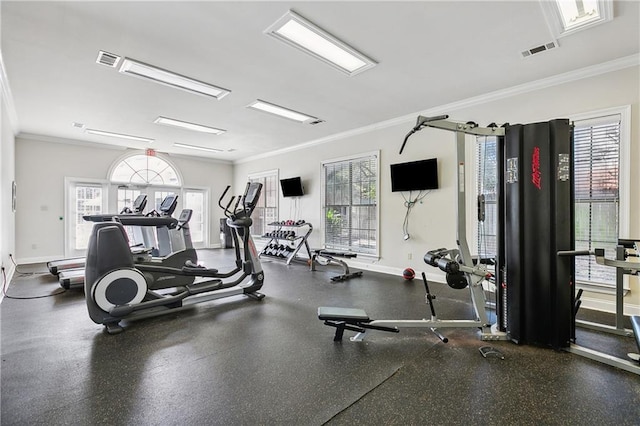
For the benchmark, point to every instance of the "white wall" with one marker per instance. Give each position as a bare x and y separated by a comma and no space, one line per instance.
7,172
433,223
41,167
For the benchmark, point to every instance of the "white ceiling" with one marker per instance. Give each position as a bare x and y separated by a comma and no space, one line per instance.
428,53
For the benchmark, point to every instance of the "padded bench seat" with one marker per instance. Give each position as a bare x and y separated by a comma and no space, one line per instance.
342,314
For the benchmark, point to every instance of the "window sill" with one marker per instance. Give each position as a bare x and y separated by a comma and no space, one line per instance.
608,289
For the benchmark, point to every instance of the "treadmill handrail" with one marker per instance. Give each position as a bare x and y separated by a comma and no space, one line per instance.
133,220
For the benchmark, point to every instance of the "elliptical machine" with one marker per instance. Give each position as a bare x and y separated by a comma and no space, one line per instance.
116,289
159,232
58,266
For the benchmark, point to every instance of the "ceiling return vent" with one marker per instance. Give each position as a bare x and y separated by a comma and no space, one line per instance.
539,49
108,59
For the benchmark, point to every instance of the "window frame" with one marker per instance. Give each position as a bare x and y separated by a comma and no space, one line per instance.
261,177
624,179
70,183
478,250
205,214
624,174
375,253
128,155
624,193
110,199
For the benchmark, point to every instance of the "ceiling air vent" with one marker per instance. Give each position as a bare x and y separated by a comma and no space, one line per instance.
314,122
108,59
541,48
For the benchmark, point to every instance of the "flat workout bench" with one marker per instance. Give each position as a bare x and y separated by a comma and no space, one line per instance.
349,319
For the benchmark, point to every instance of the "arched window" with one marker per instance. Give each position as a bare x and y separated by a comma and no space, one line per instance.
145,169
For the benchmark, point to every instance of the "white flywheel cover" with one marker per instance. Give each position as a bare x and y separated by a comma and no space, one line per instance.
132,278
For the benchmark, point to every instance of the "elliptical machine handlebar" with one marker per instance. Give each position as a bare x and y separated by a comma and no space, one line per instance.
244,204
225,209
235,208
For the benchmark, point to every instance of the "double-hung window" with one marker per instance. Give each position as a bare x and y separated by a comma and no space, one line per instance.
597,146
266,210
601,169
487,187
350,190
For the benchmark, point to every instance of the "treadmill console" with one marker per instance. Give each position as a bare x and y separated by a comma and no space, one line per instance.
185,216
140,203
169,205
252,194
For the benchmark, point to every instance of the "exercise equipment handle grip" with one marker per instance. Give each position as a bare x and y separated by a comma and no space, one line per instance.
431,259
226,209
574,253
420,124
222,196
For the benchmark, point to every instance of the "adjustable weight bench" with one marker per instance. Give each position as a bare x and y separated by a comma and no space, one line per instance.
349,319
326,257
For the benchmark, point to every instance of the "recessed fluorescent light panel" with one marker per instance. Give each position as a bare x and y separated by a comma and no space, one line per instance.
281,111
198,148
158,75
189,126
302,34
118,135
568,16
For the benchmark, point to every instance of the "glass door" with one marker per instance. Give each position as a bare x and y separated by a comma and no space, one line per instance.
83,198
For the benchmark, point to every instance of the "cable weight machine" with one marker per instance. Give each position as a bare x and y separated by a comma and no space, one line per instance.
536,300
457,263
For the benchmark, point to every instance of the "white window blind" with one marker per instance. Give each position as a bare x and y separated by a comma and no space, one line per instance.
597,147
487,186
350,204
597,194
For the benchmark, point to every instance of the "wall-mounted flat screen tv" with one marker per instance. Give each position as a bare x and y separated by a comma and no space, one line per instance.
292,187
415,175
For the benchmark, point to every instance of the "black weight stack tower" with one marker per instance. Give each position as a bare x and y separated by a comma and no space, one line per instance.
538,222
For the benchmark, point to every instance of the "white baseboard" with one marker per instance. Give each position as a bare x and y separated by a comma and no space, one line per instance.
42,259
389,270
608,306
587,302
10,272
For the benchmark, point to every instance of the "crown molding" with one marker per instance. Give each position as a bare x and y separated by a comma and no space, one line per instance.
68,141
582,73
77,142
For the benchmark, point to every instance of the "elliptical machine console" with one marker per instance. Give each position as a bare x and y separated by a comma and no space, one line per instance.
117,289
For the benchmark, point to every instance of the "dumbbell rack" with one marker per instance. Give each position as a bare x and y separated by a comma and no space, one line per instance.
292,241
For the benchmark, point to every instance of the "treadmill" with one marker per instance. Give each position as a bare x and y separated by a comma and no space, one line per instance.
57,266
163,222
